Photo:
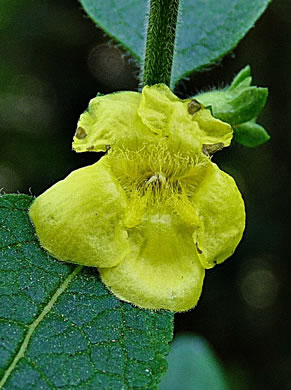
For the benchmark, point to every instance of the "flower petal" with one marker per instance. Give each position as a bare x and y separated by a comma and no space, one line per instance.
185,123
213,131
162,270
111,120
132,119
79,219
156,107
220,208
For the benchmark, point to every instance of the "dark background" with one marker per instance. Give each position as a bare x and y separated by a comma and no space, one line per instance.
53,60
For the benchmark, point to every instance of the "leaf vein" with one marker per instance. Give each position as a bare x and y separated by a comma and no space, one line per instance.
35,324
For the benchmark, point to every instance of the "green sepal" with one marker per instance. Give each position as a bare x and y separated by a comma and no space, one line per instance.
244,74
242,106
238,105
250,134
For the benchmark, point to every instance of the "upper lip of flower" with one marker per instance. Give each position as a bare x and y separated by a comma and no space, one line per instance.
155,115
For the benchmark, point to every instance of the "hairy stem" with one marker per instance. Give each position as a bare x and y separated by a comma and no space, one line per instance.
160,42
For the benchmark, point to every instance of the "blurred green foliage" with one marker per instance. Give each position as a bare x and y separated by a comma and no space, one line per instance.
193,366
53,60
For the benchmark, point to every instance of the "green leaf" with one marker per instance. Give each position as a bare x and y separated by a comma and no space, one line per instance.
207,30
250,134
60,328
193,366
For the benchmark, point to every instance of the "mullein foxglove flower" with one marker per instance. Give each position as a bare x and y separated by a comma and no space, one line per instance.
154,212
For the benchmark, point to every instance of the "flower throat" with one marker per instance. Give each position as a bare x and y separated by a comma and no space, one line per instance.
155,177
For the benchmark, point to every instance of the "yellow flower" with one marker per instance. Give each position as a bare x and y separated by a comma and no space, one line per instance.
154,212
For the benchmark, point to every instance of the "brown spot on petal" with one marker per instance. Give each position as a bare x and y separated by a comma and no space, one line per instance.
198,249
193,107
81,133
210,149
90,148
